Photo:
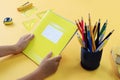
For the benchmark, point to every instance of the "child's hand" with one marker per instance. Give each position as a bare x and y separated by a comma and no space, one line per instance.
49,65
23,42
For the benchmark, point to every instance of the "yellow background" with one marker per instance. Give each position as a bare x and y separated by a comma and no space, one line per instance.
14,67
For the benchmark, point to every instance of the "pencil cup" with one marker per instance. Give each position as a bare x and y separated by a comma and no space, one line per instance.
90,60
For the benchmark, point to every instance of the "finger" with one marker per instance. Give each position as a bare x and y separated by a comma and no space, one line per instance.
57,63
57,59
29,37
49,55
26,36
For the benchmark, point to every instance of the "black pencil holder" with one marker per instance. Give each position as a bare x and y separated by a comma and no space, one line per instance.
90,60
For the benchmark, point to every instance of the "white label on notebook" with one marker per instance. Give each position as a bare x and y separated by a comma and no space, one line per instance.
52,33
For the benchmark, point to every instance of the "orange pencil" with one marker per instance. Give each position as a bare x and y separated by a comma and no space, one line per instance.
92,36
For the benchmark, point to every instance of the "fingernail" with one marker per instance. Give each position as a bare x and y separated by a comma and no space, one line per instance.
60,56
32,35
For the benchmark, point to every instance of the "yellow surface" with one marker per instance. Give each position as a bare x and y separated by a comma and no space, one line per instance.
14,67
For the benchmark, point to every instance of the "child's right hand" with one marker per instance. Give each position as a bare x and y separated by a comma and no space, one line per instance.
49,65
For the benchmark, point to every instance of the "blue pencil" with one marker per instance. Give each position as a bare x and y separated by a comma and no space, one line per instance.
89,39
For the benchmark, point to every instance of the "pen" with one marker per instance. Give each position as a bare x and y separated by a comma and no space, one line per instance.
98,29
86,40
102,45
95,30
101,37
107,36
102,32
104,27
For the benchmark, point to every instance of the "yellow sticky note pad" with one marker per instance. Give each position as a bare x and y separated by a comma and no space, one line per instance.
52,33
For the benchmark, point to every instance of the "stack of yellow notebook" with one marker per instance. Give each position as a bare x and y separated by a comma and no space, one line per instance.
51,34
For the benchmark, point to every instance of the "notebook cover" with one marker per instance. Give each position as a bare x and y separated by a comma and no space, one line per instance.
52,34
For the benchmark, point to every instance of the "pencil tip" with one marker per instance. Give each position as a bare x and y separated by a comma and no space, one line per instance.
96,23
113,30
99,20
78,34
89,15
106,21
82,18
75,21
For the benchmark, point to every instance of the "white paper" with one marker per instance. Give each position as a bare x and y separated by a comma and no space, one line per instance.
52,34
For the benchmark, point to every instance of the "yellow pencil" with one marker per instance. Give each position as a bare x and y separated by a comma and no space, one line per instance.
92,36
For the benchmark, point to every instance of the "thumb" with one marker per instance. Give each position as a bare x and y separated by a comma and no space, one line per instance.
49,55
30,37
57,58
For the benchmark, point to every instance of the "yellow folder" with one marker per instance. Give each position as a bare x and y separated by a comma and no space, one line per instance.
52,34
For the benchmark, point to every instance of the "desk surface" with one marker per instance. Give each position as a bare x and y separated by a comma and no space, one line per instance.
14,67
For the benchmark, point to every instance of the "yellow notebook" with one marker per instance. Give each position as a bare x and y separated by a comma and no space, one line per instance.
51,34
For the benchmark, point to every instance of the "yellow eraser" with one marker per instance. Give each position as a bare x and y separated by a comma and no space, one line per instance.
25,6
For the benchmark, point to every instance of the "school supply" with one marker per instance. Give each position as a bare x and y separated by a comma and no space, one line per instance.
52,33
25,6
93,38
